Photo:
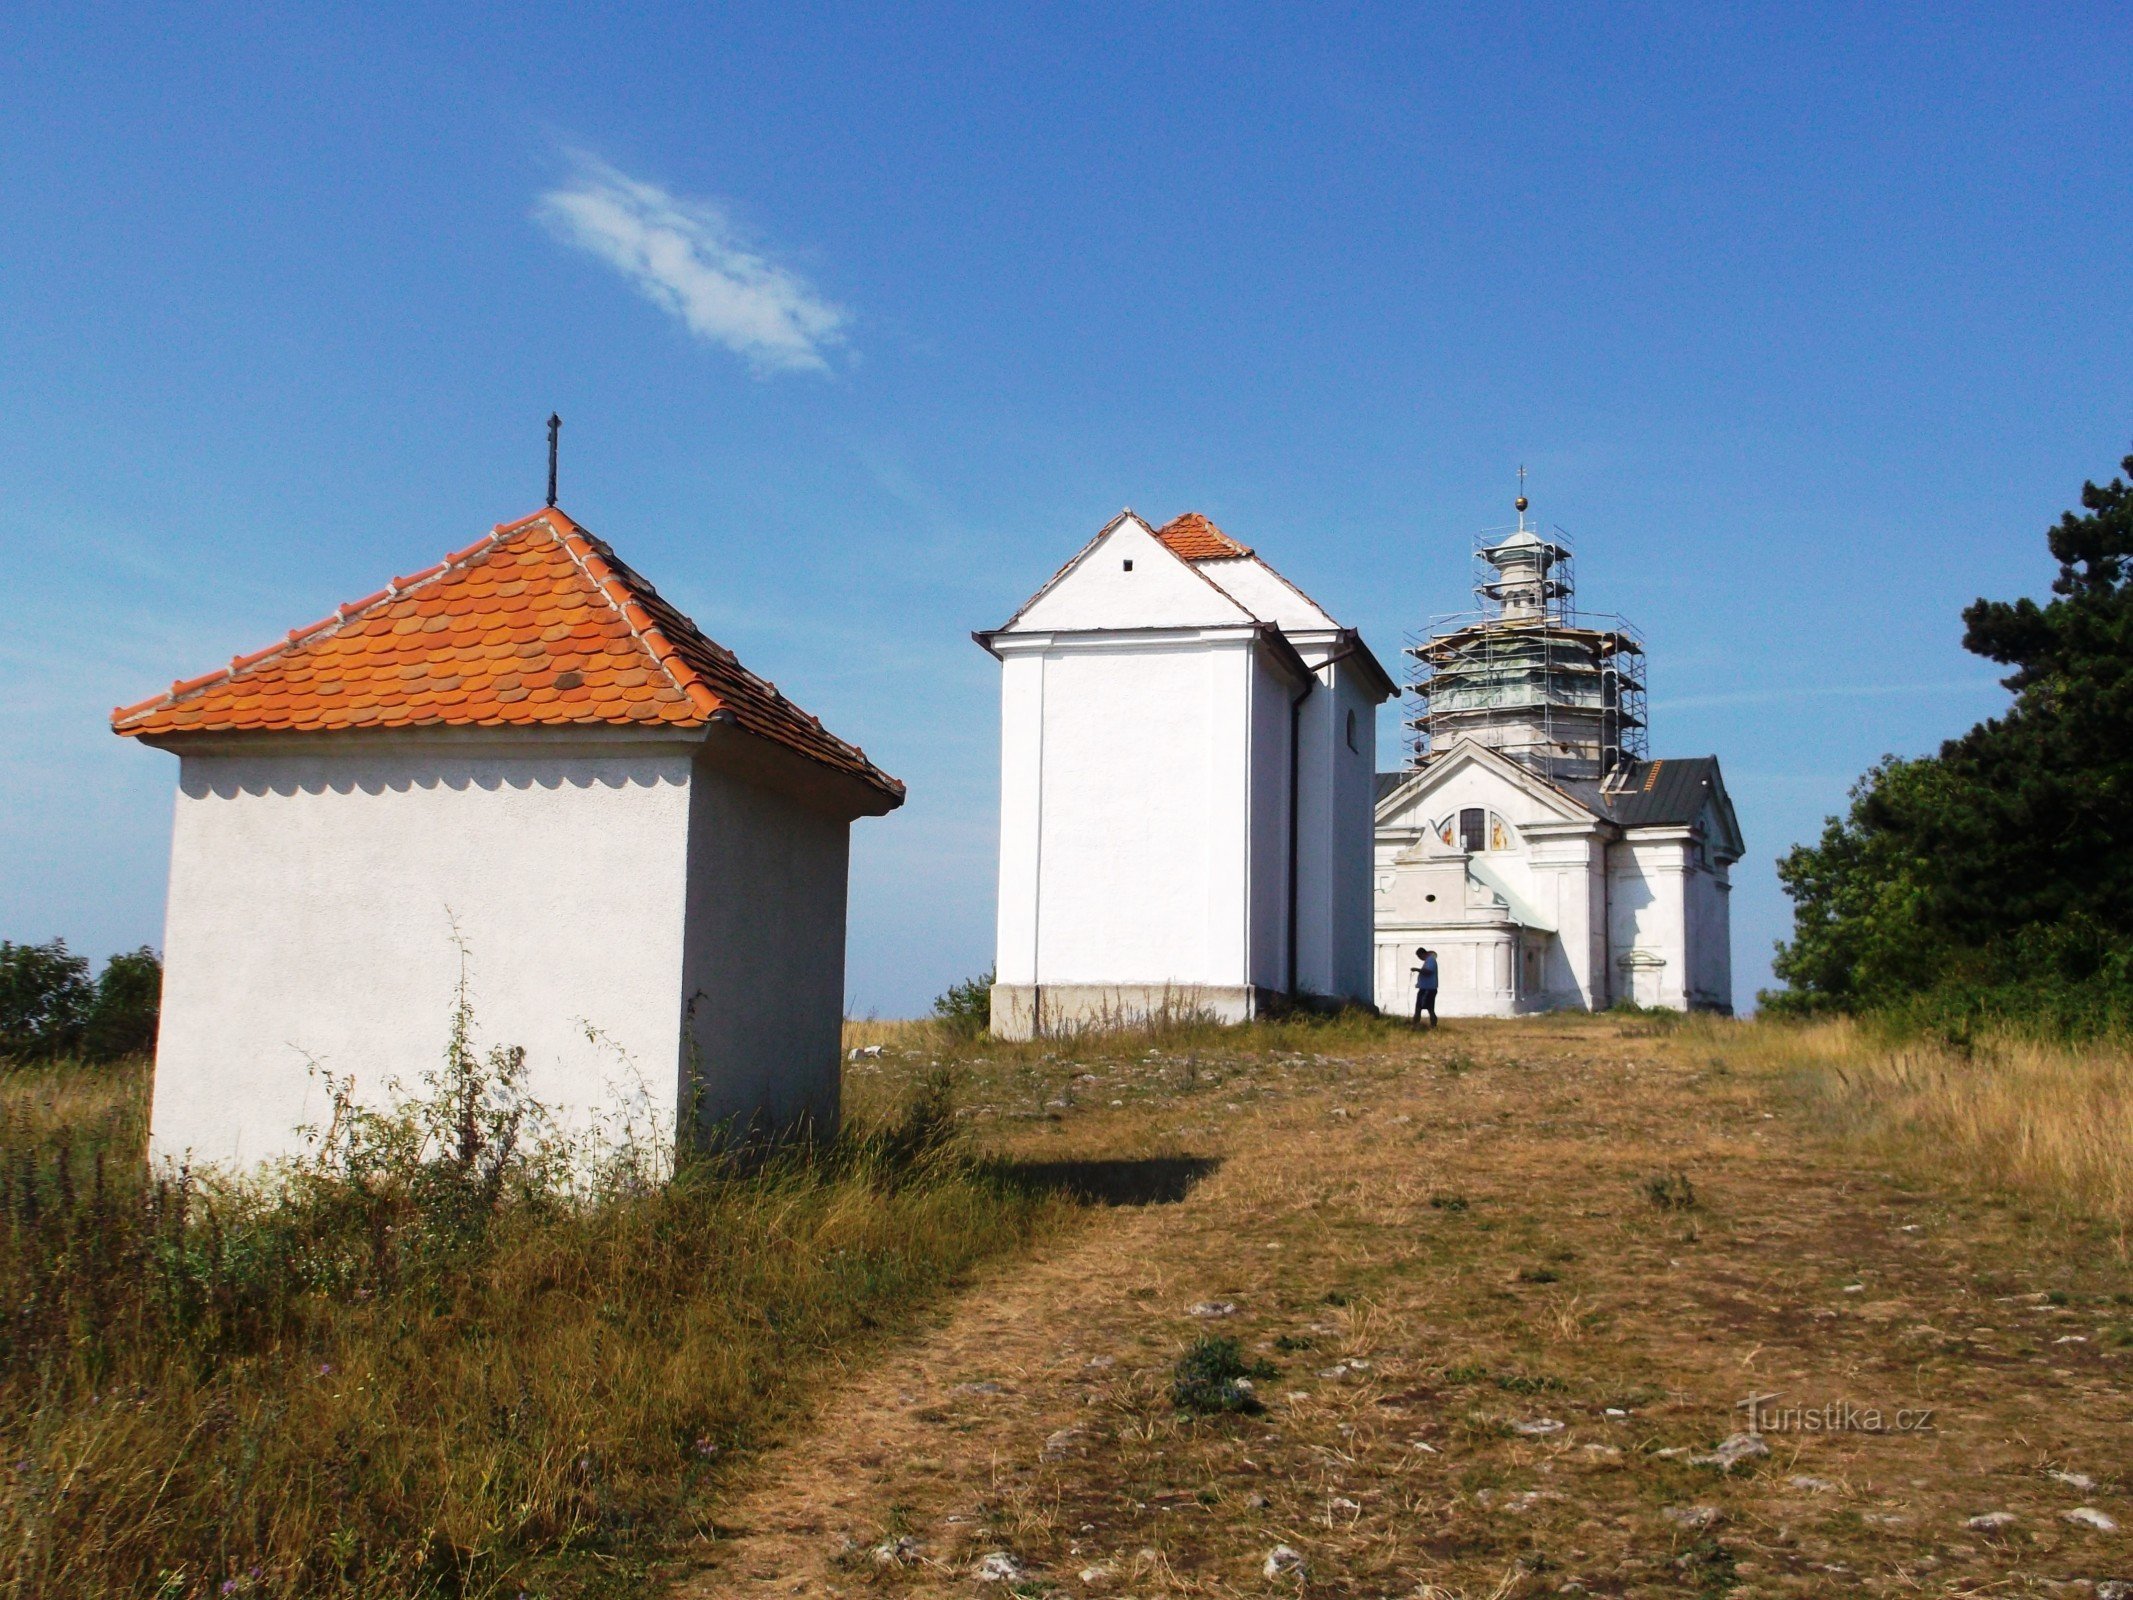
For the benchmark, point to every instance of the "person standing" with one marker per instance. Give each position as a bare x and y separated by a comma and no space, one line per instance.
1426,987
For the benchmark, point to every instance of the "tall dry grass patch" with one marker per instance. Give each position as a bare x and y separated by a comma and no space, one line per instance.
2051,1122
420,1369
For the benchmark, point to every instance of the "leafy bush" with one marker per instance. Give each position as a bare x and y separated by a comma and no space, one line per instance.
49,1008
966,1009
1213,1377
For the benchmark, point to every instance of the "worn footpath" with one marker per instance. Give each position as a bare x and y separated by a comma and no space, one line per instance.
1555,1307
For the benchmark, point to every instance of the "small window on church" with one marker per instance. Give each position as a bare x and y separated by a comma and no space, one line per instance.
1127,565
1472,825
1351,729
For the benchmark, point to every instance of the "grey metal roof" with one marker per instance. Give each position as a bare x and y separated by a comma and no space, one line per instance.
1670,792
1658,793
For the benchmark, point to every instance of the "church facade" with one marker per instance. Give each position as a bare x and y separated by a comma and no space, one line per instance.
1533,844
1542,895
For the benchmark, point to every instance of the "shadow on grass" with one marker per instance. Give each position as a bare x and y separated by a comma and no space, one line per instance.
1148,1181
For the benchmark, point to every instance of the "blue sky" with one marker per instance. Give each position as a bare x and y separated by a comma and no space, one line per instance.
1806,320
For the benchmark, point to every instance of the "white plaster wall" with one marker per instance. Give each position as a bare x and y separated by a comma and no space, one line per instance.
1351,835
1647,912
1269,596
1708,976
310,918
1272,694
1228,820
1335,838
763,963
1317,880
1568,874
1158,591
1474,969
1709,932
1125,821
1021,815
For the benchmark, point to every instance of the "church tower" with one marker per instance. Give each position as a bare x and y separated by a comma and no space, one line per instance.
1523,673
1531,843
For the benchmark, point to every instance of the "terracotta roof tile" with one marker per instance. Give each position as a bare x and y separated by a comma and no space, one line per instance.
1194,538
482,638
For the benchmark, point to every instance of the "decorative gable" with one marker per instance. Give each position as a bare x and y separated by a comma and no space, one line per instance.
1470,774
1127,577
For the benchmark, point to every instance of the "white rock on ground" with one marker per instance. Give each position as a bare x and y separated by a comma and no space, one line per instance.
895,1552
1691,1516
1285,1561
2074,1480
1066,1442
997,1566
1811,1485
1211,1308
1733,1451
2090,1517
1992,1521
1537,1427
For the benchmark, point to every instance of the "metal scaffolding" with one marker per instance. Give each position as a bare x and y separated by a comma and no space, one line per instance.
1558,690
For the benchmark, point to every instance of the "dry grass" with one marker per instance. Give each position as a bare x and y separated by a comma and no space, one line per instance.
1441,1241
342,1393
1515,1278
2049,1122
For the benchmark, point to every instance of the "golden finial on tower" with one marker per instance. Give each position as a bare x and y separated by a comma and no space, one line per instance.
1521,501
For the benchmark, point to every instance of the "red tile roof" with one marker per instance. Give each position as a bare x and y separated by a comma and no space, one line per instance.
538,625
1196,539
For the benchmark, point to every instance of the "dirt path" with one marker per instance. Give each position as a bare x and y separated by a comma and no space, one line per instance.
1515,1282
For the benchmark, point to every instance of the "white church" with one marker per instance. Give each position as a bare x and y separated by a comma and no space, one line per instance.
1548,861
1187,759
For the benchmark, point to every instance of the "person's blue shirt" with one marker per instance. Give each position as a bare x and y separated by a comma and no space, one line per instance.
1426,974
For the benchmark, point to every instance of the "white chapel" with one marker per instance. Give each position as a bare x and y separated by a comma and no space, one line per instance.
1533,844
524,770
1187,754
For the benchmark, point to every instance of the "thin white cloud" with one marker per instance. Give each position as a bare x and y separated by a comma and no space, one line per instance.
686,257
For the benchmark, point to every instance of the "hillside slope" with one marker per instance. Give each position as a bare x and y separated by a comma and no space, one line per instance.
1515,1280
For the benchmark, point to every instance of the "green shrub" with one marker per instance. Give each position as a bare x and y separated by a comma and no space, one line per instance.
966,1009
1670,1191
1213,1377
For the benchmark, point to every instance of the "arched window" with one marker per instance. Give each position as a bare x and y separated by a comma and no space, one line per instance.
1476,829
1351,729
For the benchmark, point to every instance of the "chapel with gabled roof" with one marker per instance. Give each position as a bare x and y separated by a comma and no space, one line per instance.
1187,744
